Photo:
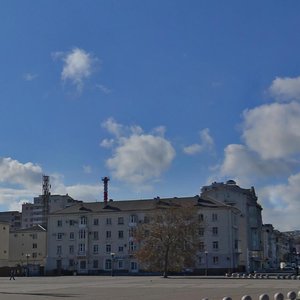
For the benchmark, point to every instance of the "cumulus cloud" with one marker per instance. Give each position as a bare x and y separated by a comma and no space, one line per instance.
207,143
78,66
273,130
137,156
285,89
281,202
14,172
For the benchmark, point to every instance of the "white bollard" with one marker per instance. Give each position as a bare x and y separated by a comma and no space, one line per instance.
291,295
263,297
278,296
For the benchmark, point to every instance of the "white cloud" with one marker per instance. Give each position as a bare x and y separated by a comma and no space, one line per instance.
78,66
273,130
107,143
281,202
29,76
103,89
207,143
87,169
285,89
12,171
138,157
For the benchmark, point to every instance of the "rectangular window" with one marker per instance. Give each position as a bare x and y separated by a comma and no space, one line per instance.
71,249
107,264
34,236
120,264
81,248
108,234
201,217
34,255
108,248
120,220
96,235
215,245
71,262
214,217
215,231
59,236
82,264
95,264
200,260
132,246
34,245
108,221
215,260
83,220
59,250
82,234
71,222
133,219
59,223
72,236
121,234
95,249
133,266
201,246
201,231
120,249
96,222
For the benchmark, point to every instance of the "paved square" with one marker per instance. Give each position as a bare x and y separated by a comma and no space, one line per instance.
140,287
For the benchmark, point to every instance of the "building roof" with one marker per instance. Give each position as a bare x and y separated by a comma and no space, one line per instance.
35,228
140,205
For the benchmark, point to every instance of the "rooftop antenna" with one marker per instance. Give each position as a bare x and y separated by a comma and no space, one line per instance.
105,191
45,196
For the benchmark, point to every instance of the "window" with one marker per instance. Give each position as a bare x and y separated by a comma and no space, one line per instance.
59,236
214,217
72,235
133,219
108,221
121,234
132,246
201,217
120,220
108,248
82,264
82,248
107,264
95,264
120,249
34,255
120,264
215,245
83,220
108,234
96,222
96,235
200,260
71,249
95,249
215,231
82,234
133,266
201,231
215,260
132,232
71,262
71,222
201,246
146,220
59,223
34,245
34,236
59,250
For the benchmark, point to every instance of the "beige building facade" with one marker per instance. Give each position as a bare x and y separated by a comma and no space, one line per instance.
91,238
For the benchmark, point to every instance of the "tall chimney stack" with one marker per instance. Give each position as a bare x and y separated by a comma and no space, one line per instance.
105,193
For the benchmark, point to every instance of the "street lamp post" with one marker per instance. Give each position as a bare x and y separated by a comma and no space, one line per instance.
206,261
27,267
112,254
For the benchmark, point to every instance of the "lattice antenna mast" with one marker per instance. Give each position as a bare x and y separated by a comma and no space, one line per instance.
46,195
105,189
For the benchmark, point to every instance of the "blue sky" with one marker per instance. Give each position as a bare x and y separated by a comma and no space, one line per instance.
161,96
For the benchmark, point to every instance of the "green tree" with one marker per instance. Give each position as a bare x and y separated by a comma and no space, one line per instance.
169,239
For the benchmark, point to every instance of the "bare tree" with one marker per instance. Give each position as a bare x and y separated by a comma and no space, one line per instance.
169,239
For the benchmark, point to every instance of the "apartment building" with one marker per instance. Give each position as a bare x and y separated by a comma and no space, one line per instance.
250,219
4,245
12,217
28,250
36,214
95,238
